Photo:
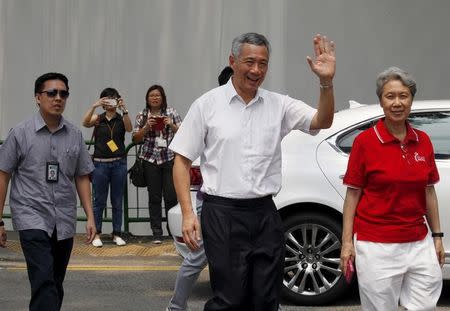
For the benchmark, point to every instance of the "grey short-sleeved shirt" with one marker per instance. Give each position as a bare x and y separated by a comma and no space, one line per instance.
34,202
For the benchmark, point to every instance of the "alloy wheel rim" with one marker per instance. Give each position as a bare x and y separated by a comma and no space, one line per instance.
312,257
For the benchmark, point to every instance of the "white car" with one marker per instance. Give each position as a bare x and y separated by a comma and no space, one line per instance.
312,196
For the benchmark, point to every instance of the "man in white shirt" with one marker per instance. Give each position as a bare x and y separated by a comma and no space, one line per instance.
237,129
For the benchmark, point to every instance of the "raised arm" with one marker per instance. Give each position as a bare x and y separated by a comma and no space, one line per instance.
126,117
90,117
324,66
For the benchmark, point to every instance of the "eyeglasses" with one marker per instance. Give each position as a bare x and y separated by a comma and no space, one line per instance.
54,92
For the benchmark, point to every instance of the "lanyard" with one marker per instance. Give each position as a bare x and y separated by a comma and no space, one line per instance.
111,128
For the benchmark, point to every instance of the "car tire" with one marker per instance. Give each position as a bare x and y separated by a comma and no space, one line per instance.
311,274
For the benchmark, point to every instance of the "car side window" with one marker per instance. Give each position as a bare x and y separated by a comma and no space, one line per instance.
437,125
345,141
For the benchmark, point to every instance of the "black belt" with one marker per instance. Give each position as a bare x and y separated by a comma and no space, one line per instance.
255,202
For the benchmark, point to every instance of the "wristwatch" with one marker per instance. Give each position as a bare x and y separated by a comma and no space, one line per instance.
437,234
124,112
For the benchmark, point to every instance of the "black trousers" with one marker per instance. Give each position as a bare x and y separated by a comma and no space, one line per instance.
160,183
47,261
244,244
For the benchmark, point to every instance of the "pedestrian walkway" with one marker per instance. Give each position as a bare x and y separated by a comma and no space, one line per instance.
139,254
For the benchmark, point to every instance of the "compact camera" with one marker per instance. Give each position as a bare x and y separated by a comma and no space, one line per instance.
112,102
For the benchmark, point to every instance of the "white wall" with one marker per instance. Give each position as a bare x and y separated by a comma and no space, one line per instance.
131,44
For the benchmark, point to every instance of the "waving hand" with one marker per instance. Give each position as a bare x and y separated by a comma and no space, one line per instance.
324,62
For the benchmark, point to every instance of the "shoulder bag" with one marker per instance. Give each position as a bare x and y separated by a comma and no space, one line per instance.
137,176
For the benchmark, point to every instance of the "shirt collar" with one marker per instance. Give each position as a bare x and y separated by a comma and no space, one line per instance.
385,137
231,93
39,122
116,116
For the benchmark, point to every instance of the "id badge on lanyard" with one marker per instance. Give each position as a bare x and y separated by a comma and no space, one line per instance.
52,172
112,146
111,143
160,142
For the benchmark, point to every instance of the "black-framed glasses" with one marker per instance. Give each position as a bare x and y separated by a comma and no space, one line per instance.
54,92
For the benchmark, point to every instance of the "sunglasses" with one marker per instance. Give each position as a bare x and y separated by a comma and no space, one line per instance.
53,93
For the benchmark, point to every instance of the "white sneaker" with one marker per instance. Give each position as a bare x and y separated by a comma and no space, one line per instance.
119,241
97,242
156,241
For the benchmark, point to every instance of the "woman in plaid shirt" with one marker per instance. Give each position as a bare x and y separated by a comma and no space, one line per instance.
156,125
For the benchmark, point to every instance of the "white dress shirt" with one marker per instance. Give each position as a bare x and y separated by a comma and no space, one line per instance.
239,144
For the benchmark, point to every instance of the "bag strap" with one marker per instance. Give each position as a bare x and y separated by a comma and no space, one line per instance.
139,151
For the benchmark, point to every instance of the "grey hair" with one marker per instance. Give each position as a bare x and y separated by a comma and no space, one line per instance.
250,38
395,73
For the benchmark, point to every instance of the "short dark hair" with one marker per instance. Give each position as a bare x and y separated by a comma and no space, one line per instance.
225,75
40,81
110,92
163,96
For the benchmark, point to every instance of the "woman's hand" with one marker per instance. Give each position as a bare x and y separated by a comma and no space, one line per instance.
347,253
148,126
100,102
121,105
440,253
168,121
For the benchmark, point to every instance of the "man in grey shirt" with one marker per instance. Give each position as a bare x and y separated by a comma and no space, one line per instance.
47,161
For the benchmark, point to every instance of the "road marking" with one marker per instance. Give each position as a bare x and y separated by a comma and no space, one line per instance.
106,268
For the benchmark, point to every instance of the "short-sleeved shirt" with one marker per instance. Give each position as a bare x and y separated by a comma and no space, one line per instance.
239,144
34,202
107,130
393,177
151,152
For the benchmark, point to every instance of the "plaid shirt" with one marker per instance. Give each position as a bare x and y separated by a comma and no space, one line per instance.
150,152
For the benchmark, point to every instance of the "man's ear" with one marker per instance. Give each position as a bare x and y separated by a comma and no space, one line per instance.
38,100
231,60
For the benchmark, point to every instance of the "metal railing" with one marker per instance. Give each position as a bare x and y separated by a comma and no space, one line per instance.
134,211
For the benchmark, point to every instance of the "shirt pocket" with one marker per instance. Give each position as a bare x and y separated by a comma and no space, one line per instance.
267,140
69,161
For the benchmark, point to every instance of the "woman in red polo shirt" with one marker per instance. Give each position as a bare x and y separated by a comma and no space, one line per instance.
390,178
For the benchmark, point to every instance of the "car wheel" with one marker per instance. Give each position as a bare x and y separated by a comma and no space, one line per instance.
311,273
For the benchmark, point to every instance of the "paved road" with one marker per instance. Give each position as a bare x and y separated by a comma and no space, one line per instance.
137,277
130,290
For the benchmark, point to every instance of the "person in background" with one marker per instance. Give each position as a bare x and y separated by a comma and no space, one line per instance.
195,261
47,161
155,126
110,159
236,130
390,188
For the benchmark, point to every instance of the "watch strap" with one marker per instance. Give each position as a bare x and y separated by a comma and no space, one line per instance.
437,234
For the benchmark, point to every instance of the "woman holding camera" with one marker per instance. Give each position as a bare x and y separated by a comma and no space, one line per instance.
155,126
109,159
